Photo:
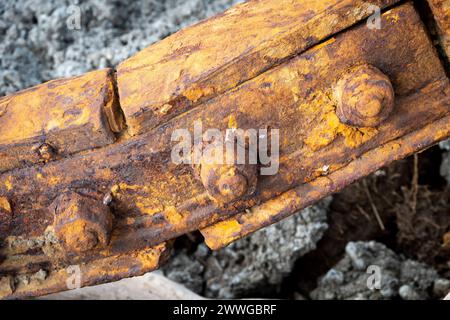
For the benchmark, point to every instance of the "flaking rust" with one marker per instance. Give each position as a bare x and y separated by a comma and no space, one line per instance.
87,178
441,12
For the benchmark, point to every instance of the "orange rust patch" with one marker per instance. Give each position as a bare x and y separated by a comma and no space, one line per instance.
66,115
220,53
329,126
4,204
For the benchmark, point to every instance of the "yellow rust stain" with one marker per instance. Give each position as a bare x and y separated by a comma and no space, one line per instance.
54,180
172,215
195,93
222,233
8,183
232,122
150,258
123,186
225,232
392,15
328,126
4,204
148,205
115,189
322,45
76,228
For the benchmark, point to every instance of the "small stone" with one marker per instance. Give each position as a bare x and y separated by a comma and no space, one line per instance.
23,279
298,296
352,250
107,199
445,145
395,276
333,277
445,166
408,293
441,288
41,275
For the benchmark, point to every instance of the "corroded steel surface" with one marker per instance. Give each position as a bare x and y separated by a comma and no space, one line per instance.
218,54
68,115
441,12
79,187
111,268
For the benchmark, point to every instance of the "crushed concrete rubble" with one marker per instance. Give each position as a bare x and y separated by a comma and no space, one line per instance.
369,270
445,165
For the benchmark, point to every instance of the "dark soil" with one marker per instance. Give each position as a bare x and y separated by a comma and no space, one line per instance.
405,206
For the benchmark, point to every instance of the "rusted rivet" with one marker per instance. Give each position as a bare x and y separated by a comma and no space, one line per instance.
365,97
81,223
226,182
46,152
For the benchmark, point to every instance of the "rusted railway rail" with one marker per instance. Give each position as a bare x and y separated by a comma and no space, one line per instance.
86,174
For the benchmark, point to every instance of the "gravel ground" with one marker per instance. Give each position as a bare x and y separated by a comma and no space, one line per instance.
397,278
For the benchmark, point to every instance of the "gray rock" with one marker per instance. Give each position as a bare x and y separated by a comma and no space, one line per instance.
406,292
445,166
441,287
185,270
445,145
256,265
369,270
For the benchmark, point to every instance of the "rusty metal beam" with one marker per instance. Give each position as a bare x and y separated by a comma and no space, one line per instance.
89,179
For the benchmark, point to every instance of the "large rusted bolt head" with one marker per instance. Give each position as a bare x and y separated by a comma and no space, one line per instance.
365,97
226,182
81,223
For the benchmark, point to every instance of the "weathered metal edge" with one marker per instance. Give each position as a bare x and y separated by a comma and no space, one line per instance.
223,233
97,272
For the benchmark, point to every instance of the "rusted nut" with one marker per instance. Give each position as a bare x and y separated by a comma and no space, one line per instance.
81,223
226,182
365,97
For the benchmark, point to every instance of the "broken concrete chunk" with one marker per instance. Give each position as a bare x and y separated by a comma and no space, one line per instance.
369,270
445,166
